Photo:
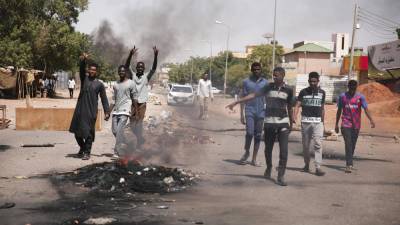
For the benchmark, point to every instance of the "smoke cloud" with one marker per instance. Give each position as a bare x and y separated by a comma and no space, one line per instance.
172,26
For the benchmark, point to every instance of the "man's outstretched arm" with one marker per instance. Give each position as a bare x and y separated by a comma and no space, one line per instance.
242,100
154,67
128,61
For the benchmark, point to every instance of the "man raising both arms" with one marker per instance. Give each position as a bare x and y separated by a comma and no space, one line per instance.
142,92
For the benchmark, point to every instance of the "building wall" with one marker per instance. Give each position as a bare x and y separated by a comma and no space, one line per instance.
291,57
319,62
341,48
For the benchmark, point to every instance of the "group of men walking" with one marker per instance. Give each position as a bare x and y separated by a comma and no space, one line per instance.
269,106
130,95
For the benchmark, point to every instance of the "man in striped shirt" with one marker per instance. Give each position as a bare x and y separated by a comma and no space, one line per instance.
277,122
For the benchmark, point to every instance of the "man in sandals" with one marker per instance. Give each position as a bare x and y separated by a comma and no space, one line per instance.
252,112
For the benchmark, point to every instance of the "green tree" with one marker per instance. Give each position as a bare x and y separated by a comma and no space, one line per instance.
237,73
40,34
263,54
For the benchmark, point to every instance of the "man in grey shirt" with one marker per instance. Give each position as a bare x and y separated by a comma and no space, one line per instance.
124,92
141,81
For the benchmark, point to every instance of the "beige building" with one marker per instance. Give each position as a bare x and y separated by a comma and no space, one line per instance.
243,55
309,57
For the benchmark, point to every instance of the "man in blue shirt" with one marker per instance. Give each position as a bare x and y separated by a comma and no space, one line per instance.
252,112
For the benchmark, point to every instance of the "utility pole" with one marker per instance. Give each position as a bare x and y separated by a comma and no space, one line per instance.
352,41
210,59
274,41
191,73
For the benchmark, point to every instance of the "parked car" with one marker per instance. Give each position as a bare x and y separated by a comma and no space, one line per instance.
180,94
215,90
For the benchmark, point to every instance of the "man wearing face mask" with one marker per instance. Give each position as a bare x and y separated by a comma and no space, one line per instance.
142,93
121,108
85,114
312,100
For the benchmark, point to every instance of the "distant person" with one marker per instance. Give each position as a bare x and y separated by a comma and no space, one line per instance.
204,95
85,114
312,101
252,113
278,120
142,91
121,107
349,109
71,87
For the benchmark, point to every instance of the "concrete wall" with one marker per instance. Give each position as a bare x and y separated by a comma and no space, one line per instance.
56,119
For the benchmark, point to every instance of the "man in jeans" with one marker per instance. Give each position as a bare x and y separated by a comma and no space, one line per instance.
278,120
312,100
123,97
349,109
252,112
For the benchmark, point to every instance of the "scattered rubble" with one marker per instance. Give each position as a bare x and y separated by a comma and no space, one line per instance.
37,145
100,220
7,205
4,123
154,99
198,139
132,177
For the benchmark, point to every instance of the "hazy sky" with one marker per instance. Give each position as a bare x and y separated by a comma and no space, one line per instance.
176,25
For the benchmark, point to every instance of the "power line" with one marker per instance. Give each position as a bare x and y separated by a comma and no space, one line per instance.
377,23
379,36
380,17
377,26
381,23
377,31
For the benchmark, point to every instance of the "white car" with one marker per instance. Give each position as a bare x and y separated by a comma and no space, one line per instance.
180,94
215,90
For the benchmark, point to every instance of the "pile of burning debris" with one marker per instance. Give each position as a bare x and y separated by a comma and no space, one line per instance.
128,175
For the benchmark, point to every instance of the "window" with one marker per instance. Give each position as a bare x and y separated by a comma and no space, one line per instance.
182,89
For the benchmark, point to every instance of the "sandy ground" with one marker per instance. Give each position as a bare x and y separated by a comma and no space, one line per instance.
228,193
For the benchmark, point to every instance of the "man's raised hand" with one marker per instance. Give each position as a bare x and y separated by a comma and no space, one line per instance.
155,50
133,50
84,56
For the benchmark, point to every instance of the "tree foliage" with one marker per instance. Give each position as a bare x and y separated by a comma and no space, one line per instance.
238,69
263,55
40,34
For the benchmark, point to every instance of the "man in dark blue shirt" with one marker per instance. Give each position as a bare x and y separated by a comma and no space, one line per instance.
252,112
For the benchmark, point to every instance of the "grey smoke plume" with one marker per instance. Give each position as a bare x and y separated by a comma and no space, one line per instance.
110,46
172,26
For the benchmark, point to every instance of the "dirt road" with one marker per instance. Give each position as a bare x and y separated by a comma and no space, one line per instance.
226,194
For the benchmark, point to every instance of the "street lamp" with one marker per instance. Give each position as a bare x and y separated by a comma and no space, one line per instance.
227,48
191,70
269,36
209,42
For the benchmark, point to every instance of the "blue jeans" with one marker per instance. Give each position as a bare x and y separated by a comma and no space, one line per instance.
254,126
